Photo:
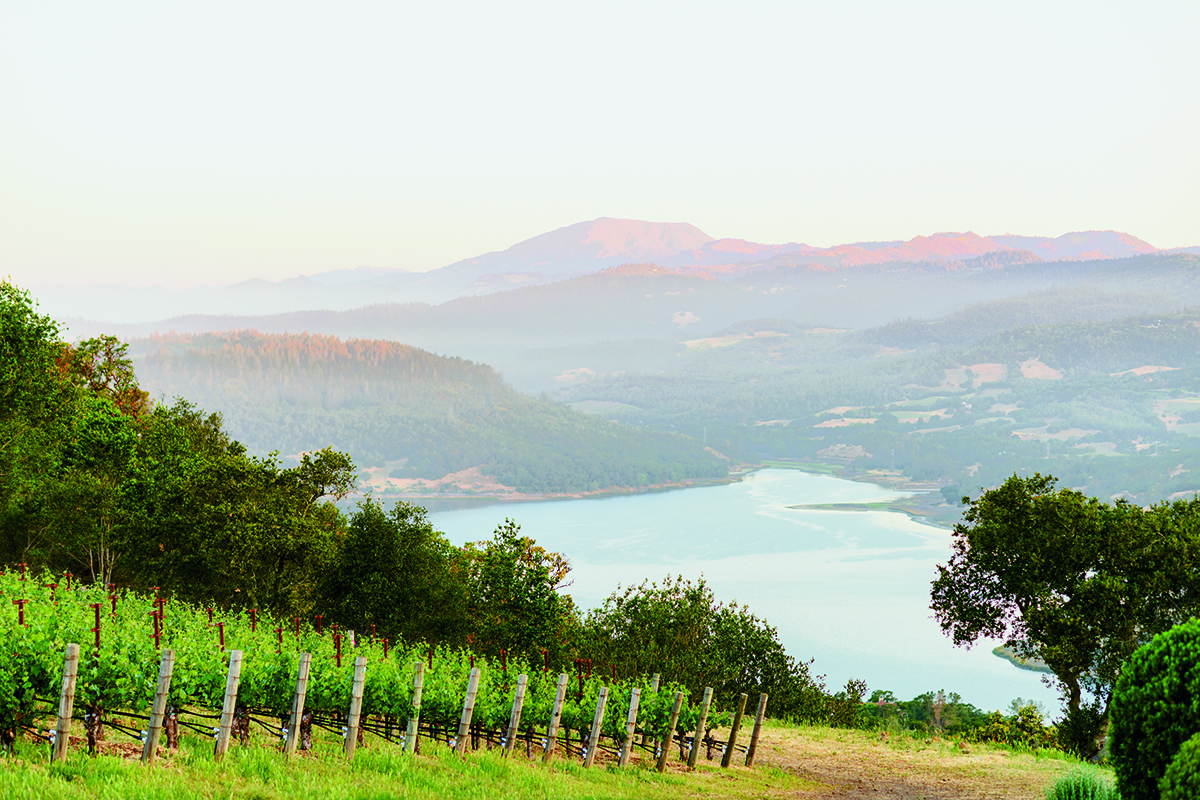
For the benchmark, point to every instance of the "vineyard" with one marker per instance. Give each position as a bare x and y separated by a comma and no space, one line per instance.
141,666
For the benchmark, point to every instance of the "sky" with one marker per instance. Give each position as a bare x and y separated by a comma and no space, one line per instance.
177,144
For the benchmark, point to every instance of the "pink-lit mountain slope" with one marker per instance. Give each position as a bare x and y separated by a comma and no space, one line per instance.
937,247
580,249
588,247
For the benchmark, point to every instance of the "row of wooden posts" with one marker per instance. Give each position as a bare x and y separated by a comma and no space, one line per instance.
61,733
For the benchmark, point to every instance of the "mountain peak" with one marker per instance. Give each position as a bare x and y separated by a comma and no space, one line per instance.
587,247
634,239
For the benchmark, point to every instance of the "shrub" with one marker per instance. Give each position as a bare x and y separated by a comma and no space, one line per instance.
1025,728
1084,783
1080,730
1182,779
1153,709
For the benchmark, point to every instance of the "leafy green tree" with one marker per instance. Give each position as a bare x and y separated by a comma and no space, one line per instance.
1072,581
515,601
677,628
394,571
208,522
81,507
33,395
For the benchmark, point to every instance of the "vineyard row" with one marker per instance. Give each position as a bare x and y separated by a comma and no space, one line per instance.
155,664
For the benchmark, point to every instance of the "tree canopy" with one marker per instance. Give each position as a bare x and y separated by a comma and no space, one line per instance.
1072,581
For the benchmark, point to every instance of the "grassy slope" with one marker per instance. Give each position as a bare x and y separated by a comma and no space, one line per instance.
793,761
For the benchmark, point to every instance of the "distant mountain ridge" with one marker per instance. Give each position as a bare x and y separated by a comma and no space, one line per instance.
573,251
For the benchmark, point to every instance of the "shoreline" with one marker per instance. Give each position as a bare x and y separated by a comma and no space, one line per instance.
932,513
465,499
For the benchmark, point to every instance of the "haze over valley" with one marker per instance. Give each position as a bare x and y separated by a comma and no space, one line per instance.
947,361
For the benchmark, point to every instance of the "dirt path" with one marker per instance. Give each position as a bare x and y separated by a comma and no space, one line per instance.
855,765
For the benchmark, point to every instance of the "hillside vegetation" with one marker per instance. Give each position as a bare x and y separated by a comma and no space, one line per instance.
421,415
1111,406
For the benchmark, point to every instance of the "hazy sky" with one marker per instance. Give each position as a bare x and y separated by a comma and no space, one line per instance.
183,143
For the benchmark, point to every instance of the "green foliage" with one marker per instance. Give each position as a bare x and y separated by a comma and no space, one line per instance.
1182,778
1083,783
1024,728
1154,710
931,712
394,571
514,598
1080,729
121,675
1071,581
388,402
679,629
846,707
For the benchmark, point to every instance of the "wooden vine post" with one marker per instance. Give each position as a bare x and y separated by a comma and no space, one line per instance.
356,696
66,705
654,682
464,724
410,735
694,753
293,731
669,736
514,720
630,726
555,717
758,721
154,729
225,727
733,730
597,722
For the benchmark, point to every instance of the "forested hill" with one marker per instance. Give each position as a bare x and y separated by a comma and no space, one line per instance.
406,413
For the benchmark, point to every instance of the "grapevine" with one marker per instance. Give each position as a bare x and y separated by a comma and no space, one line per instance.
116,680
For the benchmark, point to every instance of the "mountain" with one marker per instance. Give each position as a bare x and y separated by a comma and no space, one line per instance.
537,335
588,247
1078,246
575,250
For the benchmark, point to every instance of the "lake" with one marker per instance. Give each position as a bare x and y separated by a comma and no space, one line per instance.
849,589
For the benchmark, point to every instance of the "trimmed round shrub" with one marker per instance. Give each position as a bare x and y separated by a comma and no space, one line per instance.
1155,709
1182,780
1084,783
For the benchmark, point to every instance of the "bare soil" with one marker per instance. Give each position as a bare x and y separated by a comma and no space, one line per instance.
855,764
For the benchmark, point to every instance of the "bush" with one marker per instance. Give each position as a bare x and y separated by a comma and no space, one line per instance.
1025,728
1182,779
1084,783
1080,730
1153,710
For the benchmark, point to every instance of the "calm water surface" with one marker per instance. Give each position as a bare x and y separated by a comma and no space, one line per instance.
849,589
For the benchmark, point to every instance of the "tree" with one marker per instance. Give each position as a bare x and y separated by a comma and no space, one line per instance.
1072,581
677,628
394,571
33,395
514,599
209,522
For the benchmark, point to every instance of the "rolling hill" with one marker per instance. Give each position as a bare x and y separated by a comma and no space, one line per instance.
418,422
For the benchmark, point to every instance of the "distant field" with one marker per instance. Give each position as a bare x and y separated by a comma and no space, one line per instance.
805,466
603,407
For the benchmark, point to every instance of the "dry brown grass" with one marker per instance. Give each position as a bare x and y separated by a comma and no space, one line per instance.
861,764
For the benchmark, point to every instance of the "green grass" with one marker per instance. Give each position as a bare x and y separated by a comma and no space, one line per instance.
1083,783
377,771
